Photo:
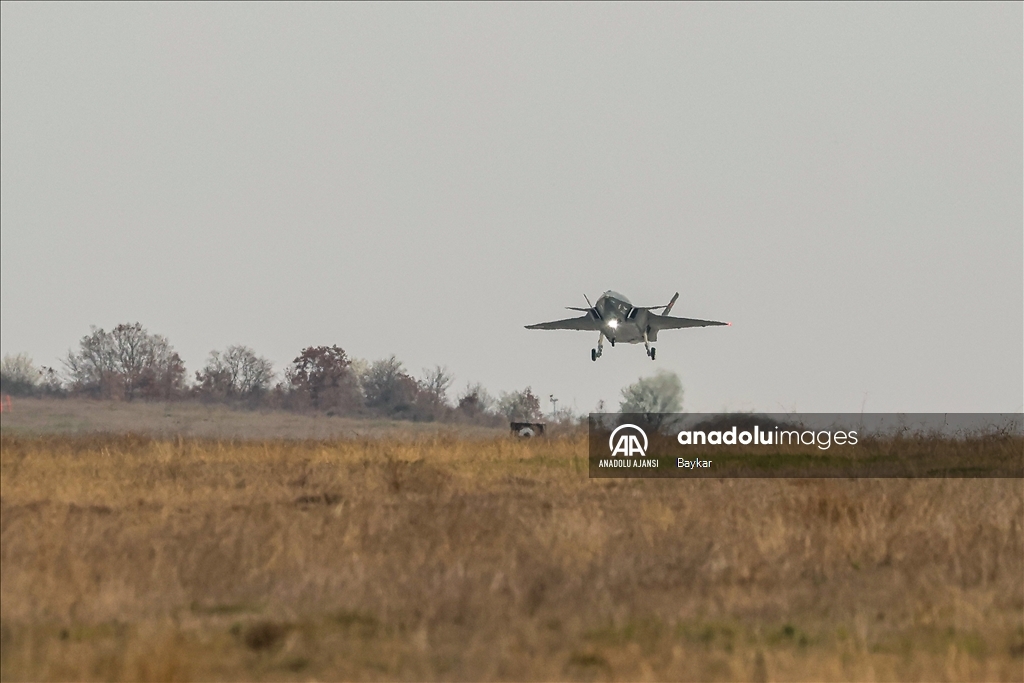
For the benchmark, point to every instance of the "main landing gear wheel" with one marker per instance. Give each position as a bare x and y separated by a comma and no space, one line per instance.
593,354
652,353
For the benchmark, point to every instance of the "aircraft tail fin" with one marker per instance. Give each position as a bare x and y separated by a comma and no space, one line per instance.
670,304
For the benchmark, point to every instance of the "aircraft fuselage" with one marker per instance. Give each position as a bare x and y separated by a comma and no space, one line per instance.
623,323
618,320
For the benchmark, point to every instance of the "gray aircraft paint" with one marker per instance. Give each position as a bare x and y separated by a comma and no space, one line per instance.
616,318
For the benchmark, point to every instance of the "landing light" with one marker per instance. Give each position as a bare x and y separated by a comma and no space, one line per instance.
613,323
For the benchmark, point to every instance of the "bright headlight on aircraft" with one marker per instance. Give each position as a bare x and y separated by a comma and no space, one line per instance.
613,323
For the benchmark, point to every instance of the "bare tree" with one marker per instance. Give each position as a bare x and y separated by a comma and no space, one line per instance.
389,389
255,372
520,406
214,381
133,351
163,371
93,369
127,363
435,384
19,375
236,373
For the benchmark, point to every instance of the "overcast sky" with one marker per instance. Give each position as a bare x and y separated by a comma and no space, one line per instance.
842,182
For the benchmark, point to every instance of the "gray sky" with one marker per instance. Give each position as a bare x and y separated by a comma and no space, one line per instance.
843,182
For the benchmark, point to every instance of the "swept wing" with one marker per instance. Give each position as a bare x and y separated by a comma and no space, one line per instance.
668,322
585,322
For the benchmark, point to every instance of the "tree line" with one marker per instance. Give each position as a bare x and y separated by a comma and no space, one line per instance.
129,363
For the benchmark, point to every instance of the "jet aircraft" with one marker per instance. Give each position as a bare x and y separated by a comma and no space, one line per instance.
614,317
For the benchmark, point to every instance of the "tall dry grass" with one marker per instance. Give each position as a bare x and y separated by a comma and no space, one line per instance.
125,557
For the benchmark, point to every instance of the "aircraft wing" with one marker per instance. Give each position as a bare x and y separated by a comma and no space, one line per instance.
585,322
668,322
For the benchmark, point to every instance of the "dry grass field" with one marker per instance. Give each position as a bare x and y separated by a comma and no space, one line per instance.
193,419
441,556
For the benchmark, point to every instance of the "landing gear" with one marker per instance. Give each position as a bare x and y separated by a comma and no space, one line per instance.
596,353
647,346
593,354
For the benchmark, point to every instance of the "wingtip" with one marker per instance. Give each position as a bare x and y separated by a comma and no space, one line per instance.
728,324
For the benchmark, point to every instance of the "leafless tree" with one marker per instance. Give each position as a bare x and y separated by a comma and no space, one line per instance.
236,373
520,406
93,369
435,384
19,375
134,352
163,371
389,389
127,363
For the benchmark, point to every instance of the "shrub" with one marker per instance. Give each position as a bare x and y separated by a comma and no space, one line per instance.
19,376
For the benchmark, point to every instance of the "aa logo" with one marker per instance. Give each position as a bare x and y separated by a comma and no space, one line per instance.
628,443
